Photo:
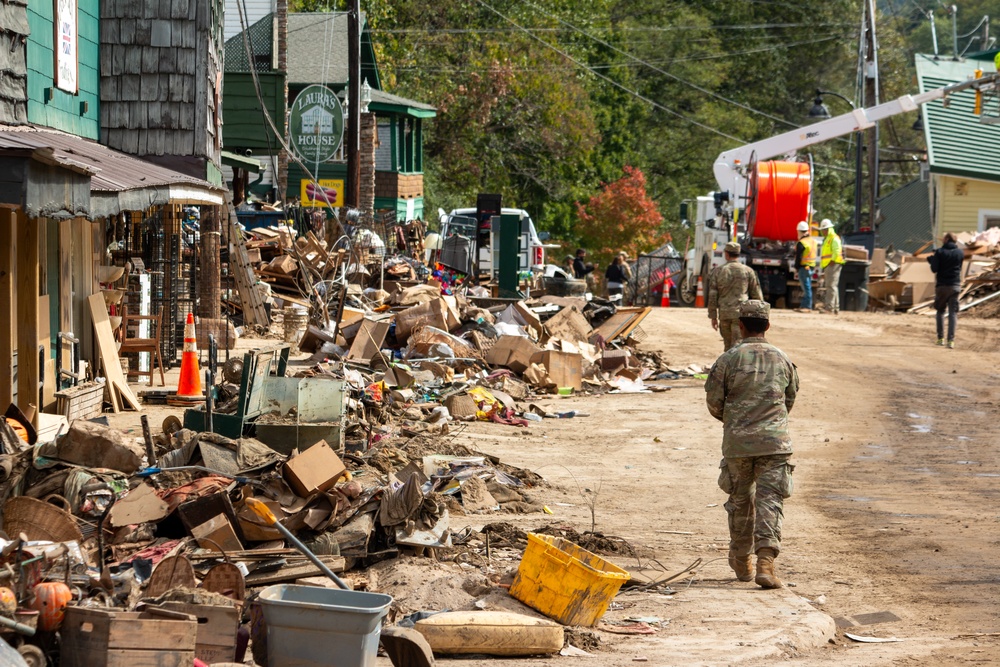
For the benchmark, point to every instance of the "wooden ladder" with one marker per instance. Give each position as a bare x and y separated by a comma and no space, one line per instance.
246,279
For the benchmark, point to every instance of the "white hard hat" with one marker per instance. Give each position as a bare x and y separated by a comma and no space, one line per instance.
826,224
803,226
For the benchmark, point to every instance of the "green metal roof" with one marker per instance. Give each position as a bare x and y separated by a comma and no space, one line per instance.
240,162
957,142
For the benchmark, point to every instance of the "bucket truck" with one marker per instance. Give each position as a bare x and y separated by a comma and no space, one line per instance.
777,193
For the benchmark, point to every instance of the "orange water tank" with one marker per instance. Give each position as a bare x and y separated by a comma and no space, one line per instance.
779,199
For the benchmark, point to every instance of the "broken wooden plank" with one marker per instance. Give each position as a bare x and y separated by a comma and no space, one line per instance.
294,571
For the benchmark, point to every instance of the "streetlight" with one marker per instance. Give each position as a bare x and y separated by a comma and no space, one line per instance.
819,110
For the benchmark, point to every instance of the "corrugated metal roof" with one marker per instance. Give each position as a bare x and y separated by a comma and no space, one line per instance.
118,181
907,217
957,142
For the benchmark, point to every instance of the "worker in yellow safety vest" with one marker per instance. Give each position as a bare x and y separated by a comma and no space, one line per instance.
831,261
805,262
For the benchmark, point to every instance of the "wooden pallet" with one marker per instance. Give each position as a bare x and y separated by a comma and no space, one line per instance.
239,266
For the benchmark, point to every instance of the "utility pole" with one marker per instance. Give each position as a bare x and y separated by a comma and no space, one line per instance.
871,98
353,195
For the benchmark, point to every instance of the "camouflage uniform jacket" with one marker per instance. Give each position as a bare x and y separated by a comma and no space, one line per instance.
729,286
751,389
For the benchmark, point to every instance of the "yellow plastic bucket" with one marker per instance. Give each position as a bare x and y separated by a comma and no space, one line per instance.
565,582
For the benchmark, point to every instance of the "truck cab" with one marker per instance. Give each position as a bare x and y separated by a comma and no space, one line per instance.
462,222
710,235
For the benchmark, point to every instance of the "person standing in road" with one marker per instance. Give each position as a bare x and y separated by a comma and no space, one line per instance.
831,261
946,263
730,285
751,389
616,277
805,262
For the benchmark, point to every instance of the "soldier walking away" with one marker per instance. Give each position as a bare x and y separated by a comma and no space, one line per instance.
751,389
831,261
805,262
730,285
946,263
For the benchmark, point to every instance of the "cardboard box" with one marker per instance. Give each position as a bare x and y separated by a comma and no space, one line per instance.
856,252
215,640
565,368
316,469
285,264
513,352
217,534
436,313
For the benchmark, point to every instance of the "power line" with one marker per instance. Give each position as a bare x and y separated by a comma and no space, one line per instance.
662,71
612,81
698,58
676,28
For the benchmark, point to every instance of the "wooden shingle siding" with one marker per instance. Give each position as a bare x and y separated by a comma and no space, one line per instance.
162,57
13,66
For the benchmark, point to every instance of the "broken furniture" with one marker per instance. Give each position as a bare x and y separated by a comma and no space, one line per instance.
257,366
141,344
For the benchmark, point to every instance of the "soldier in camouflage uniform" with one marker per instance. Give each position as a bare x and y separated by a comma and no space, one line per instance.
730,285
751,389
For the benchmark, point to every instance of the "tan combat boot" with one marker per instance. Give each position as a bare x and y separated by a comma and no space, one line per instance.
765,569
742,566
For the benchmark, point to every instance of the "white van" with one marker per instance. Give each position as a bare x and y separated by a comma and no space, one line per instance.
462,221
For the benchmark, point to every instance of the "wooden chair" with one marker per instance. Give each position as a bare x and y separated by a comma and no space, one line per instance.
150,345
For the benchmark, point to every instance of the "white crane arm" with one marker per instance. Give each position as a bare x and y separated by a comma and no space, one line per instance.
729,164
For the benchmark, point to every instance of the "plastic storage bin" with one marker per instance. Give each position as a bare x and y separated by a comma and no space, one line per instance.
565,582
310,626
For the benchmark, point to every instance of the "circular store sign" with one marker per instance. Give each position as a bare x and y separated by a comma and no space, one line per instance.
316,124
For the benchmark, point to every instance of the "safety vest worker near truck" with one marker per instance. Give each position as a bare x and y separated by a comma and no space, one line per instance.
831,260
805,262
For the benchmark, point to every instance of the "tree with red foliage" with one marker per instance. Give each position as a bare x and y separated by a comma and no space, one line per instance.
620,217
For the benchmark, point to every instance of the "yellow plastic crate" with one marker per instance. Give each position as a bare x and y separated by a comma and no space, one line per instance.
565,582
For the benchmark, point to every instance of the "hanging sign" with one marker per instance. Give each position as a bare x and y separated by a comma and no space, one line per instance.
316,124
66,37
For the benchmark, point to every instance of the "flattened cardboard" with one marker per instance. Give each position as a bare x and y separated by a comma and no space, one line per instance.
141,505
569,324
436,313
316,469
368,342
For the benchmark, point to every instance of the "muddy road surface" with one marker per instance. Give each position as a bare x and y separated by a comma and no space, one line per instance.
894,528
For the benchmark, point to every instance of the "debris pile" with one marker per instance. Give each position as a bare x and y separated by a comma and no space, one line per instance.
904,281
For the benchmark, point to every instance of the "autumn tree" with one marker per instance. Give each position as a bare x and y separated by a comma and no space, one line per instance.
620,217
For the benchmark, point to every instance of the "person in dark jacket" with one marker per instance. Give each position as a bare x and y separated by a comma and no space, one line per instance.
616,277
946,263
582,268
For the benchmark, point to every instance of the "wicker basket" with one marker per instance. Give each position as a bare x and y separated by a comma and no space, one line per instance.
39,520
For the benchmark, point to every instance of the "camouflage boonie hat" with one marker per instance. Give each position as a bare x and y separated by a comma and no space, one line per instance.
733,248
754,308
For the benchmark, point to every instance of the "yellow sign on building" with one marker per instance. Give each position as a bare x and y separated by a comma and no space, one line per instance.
329,191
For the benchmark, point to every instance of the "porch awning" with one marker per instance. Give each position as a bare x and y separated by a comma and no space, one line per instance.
118,181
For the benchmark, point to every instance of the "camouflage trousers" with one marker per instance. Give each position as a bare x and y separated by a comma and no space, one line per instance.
730,330
757,487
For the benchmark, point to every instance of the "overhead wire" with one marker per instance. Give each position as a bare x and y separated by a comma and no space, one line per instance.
698,58
665,73
634,93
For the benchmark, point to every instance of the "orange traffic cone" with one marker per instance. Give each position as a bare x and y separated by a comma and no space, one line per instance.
699,296
189,384
665,299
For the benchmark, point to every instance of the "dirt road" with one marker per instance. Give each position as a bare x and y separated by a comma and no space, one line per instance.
896,504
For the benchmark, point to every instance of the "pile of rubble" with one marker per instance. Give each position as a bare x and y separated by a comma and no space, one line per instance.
904,281
351,454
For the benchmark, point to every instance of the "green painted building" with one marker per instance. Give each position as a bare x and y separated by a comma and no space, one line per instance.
317,54
72,102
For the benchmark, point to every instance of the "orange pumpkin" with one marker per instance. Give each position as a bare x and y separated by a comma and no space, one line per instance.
50,602
8,602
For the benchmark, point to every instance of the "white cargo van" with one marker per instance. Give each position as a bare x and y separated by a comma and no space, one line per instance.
462,222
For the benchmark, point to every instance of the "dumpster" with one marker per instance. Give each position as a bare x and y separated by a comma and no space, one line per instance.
309,626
